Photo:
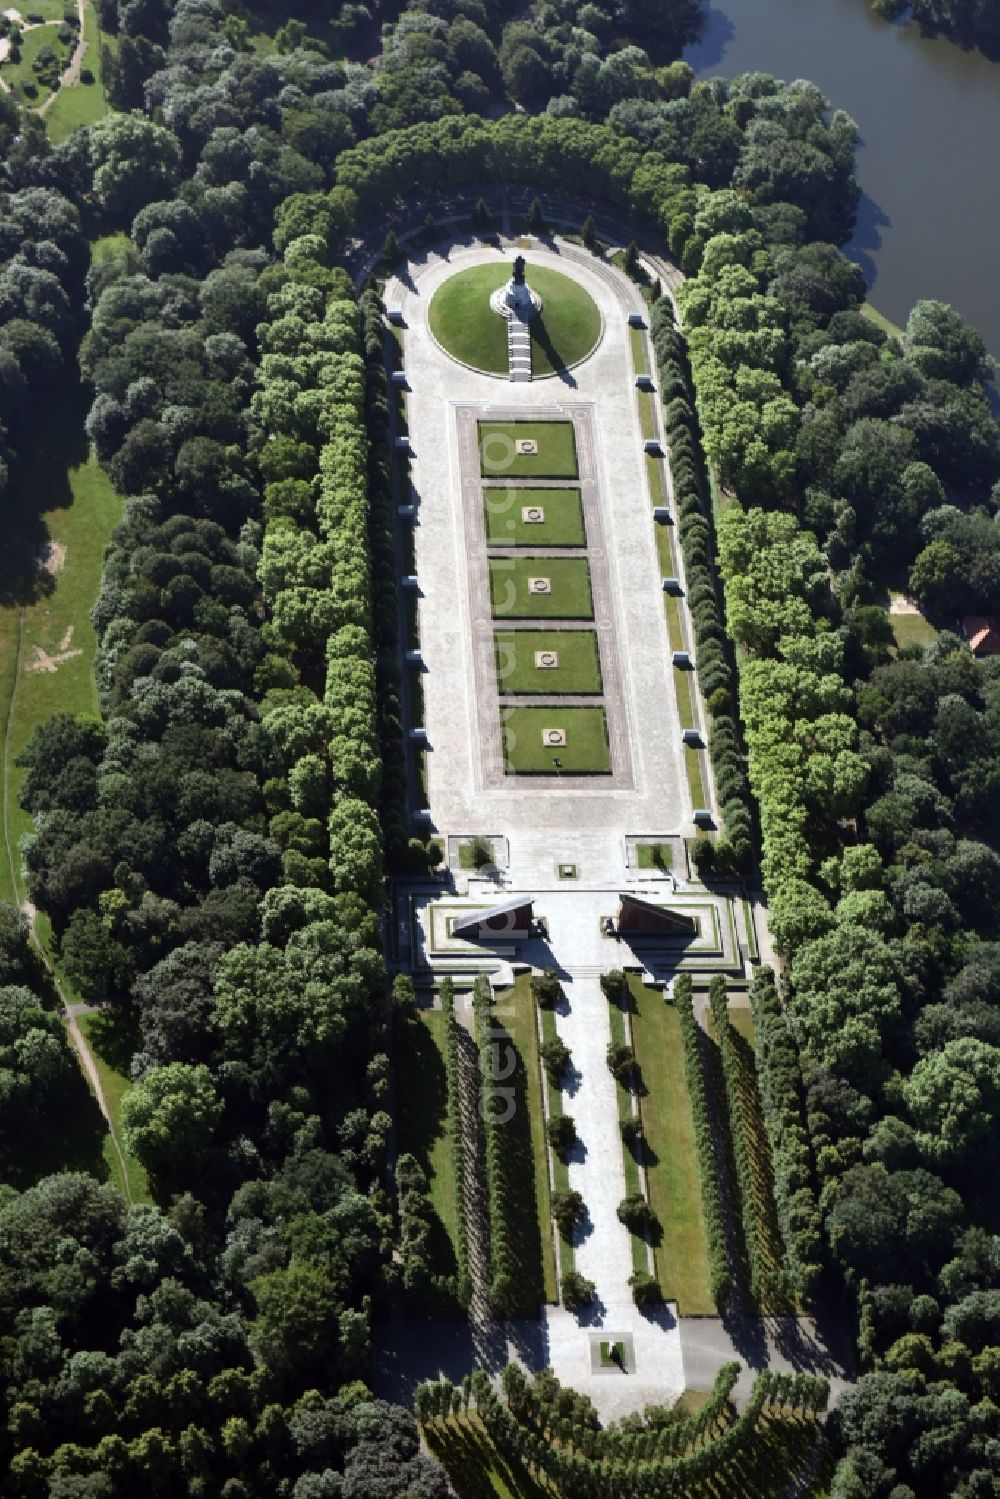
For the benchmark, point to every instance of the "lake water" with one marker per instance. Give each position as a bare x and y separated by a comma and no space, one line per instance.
929,157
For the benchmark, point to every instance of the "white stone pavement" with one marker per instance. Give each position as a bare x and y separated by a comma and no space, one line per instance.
535,819
544,825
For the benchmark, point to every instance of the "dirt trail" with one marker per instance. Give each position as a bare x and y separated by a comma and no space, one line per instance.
79,1041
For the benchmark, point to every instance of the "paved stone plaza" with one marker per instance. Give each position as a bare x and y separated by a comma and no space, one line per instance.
464,794
545,820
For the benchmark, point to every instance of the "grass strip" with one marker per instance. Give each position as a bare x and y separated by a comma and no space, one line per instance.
681,1257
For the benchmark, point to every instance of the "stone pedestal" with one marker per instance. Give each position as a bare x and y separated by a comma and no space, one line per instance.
516,300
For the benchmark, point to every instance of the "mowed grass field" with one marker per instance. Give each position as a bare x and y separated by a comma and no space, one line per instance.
466,327
560,525
464,323
422,1122
671,1162
555,459
569,588
586,751
83,103
578,669
61,501
567,328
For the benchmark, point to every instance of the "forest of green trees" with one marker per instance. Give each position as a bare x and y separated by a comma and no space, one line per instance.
210,852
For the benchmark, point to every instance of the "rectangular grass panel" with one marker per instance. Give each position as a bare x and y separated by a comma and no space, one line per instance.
672,1163
584,752
519,668
555,458
509,512
515,581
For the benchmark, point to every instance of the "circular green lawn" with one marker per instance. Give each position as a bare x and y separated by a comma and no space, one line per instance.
467,328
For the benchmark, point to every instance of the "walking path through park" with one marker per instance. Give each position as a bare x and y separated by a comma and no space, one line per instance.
71,1011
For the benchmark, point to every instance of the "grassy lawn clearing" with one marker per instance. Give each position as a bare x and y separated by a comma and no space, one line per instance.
671,1164
83,103
515,1012
560,511
555,459
112,1045
586,749
578,669
568,326
912,629
567,595
464,323
62,500
422,1124
21,73
467,328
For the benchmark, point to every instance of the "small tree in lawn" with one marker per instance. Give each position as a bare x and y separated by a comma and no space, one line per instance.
546,988
555,1055
645,1289
561,1132
635,1212
536,219
577,1290
621,1062
568,1210
630,262
588,233
631,1131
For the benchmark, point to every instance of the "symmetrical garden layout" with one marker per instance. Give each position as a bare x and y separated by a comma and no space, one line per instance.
534,519
546,709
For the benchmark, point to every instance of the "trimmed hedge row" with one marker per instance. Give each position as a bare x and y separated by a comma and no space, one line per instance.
578,1474
425,1290
735,849
780,1080
381,530
315,566
740,1128
711,1197
558,1414
455,1145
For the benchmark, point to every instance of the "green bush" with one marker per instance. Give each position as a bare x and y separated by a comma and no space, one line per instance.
577,1290
568,1209
560,1132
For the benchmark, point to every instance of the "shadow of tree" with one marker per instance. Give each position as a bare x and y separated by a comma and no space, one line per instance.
49,443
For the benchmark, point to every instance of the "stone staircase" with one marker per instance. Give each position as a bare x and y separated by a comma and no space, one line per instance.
519,349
